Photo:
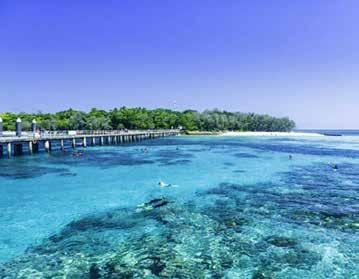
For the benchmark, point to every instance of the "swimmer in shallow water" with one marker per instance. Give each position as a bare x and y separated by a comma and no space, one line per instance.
152,204
77,154
165,185
334,166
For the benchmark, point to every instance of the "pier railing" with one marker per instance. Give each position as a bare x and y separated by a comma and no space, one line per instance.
77,133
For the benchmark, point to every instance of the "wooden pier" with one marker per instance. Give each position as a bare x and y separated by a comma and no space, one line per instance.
34,142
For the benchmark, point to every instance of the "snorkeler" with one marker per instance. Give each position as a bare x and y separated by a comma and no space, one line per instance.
165,185
334,166
290,157
77,154
152,204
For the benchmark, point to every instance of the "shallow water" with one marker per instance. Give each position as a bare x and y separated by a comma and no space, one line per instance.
240,208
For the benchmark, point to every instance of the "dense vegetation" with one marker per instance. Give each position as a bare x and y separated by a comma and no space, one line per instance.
141,118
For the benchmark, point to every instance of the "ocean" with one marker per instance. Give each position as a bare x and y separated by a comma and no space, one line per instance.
233,207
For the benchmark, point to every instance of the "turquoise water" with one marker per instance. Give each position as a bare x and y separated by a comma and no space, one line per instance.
239,208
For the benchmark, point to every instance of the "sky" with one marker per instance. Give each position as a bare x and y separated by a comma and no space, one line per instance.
297,58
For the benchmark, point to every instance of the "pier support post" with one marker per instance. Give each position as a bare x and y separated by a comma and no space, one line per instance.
101,140
84,142
93,141
62,145
115,140
47,146
31,151
1,150
8,149
109,140
73,143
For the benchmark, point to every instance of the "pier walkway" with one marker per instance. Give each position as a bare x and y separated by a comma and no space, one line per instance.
36,142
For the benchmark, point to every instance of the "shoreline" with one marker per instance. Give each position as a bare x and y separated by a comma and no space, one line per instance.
271,134
253,134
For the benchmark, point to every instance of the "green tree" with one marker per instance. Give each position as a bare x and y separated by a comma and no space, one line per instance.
141,118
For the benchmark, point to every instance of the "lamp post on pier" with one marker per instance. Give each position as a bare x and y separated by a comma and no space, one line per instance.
18,127
34,126
1,127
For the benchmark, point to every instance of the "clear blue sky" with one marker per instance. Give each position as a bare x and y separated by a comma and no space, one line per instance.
297,58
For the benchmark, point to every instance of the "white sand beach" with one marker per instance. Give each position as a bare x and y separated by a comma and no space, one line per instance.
270,134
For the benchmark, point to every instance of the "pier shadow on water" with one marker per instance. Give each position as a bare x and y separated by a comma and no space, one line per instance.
60,162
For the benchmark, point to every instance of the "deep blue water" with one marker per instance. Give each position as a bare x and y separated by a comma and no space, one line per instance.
238,208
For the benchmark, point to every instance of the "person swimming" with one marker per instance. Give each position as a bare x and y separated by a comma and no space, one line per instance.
290,157
77,154
334,166
165,185
152,204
